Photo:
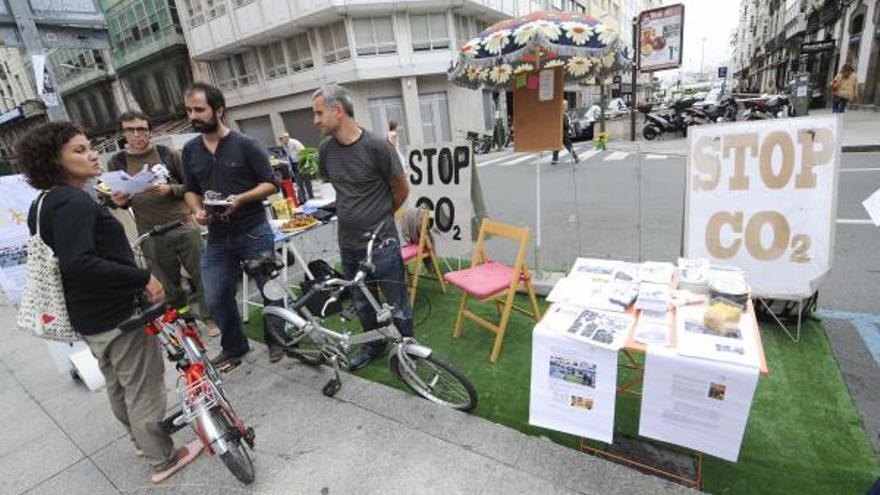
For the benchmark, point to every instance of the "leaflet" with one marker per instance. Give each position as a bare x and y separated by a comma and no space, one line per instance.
695,339
120,181
601,328
696,403
573,386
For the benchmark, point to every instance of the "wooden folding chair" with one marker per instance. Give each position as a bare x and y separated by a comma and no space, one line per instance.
487,279
418,252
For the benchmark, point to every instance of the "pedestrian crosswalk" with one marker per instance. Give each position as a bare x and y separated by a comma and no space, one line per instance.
584,151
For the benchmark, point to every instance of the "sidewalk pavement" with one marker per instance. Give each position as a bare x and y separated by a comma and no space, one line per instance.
861,133
59,438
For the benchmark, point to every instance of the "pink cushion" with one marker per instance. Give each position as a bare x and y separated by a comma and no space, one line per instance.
482,281
409,252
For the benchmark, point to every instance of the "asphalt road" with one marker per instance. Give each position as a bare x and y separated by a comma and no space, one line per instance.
592,209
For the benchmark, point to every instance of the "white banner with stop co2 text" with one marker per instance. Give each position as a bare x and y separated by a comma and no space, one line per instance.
440,177
762,196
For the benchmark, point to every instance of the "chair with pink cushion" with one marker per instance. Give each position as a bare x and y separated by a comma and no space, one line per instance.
487,279
418,251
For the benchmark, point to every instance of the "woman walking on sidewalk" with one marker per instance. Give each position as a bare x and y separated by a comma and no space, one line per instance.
844,88
101,280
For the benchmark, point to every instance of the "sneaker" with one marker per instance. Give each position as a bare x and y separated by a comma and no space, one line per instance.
554,162
212,329
184,455
365,355
275,354
224,363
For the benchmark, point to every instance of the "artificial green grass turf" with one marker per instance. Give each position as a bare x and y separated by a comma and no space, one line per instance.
804,434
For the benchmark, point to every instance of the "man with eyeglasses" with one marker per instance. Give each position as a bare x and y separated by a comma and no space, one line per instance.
161,204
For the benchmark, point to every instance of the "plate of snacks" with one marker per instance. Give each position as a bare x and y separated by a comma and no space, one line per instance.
298,222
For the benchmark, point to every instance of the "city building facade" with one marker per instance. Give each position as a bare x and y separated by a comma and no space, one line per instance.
778,39
150,55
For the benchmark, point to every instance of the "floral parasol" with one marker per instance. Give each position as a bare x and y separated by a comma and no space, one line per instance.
585,46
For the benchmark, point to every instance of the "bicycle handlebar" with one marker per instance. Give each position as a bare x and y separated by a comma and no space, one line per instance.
140,318
157,231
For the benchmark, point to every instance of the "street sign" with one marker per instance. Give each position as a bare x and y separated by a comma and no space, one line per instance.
817,47
722,73
661,37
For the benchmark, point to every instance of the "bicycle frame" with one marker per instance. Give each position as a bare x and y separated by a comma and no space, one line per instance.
198,384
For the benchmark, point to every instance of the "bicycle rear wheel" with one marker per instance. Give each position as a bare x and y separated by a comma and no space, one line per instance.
295,342
436,380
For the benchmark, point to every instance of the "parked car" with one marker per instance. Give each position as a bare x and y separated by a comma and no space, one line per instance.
584,123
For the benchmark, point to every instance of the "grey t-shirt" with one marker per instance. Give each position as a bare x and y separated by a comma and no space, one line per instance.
361,173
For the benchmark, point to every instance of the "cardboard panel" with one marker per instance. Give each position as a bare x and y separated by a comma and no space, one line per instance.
538,124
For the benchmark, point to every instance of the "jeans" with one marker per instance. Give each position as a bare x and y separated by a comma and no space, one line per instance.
221,271
389,275
838,104
566,141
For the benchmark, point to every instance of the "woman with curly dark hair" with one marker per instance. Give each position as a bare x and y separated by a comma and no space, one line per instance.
101,280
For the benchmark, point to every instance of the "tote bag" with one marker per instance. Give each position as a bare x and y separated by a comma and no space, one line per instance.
43,310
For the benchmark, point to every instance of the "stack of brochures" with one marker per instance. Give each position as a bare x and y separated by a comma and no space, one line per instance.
656,273
693,275
654,297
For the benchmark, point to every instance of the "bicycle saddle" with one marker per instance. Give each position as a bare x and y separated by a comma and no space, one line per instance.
262,266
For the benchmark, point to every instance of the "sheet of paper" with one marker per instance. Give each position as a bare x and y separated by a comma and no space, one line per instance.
654,328
699,404
120,181
573,386
16,196
546,85
872,206
608,296
593,270
601,328
694,339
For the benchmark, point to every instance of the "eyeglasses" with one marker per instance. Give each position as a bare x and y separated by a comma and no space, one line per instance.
135,130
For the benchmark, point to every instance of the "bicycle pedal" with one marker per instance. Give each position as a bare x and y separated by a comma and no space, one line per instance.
173,423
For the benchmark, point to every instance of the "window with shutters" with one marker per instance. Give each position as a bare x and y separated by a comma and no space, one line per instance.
335,42
374,36
299,51
429,31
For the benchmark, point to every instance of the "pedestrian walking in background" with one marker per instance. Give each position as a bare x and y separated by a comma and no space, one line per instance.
844,88
566,135
101,281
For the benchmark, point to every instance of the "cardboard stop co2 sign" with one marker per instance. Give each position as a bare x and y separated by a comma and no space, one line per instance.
762,196
440,180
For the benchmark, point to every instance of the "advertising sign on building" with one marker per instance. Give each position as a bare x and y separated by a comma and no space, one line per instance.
661,36
440,178
762,196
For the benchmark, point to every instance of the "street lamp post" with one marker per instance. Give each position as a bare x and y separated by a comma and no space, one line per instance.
702,54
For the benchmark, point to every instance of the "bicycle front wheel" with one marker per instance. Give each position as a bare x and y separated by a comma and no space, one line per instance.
236,459
295,342
436,380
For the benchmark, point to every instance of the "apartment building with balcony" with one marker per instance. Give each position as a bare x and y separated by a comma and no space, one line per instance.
149,54
270,55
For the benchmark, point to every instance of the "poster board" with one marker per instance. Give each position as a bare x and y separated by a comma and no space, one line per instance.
537,123
16,196
440,176
762,196
661,38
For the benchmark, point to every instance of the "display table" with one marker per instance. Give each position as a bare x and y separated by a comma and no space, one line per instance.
286,241
695,384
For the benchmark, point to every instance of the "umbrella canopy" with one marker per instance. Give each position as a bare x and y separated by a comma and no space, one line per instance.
586,47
